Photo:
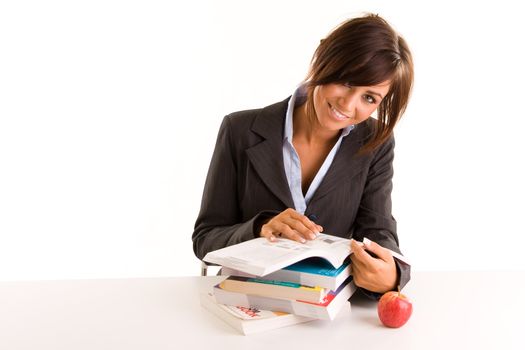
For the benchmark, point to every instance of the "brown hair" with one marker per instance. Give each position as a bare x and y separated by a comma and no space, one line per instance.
365,51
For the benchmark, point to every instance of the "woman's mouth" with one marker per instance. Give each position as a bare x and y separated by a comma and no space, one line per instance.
337,114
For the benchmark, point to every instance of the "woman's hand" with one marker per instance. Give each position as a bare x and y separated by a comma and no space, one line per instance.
374,274
290,224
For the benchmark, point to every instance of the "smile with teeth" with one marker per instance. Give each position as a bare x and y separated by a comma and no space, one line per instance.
337,114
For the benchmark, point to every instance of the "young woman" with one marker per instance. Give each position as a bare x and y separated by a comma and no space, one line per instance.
317,161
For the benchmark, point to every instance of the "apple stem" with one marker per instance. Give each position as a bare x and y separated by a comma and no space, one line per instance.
398,290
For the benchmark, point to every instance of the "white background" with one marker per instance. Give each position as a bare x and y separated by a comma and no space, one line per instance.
109,112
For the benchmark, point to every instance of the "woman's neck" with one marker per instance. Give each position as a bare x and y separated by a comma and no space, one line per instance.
307,130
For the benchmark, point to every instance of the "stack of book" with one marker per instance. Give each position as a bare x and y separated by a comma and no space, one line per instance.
280,283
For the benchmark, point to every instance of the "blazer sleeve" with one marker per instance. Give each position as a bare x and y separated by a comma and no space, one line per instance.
374,217
219,221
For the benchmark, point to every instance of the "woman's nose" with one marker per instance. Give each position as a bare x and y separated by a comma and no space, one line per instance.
348,101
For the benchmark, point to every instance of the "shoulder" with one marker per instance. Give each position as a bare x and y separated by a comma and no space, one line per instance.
241,120
264,121
368,129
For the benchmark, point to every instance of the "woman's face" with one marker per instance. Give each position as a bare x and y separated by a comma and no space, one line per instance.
338,106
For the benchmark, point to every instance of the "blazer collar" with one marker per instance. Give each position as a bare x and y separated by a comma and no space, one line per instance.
270,122
267,156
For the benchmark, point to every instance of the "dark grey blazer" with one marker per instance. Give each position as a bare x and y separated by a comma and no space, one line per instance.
246,184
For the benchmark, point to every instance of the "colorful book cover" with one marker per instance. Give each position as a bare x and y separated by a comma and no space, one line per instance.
318,266
309,272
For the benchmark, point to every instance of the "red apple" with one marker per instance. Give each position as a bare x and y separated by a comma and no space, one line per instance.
394,309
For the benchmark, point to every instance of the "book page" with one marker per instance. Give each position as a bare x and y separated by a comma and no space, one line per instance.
335,249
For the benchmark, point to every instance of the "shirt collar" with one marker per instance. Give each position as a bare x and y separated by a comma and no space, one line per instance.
298,98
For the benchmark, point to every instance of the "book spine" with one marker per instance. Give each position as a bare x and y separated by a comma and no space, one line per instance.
273,289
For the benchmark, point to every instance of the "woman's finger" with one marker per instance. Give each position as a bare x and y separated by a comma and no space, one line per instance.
293,225
360,254
379,251
297,221
287,231
298,225
312,226
267,233
358,276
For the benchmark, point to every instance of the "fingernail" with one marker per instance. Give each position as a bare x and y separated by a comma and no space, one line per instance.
313,236
272,238
303,240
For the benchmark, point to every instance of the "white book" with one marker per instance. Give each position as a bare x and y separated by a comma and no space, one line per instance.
250,320
260,257
326,309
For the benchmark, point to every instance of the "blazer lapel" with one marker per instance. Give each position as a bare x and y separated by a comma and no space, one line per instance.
267,156
346,163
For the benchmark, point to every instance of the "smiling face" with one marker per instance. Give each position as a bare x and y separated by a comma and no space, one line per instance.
338,106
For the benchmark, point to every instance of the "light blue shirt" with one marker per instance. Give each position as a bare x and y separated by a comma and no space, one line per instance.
292,163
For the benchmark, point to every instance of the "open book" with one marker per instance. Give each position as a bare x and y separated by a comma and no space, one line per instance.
260,257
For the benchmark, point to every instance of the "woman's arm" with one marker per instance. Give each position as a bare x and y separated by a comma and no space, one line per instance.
219,221
374,218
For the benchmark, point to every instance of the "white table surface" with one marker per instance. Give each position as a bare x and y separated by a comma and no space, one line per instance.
452,310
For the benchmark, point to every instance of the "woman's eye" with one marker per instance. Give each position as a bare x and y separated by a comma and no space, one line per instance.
370,99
